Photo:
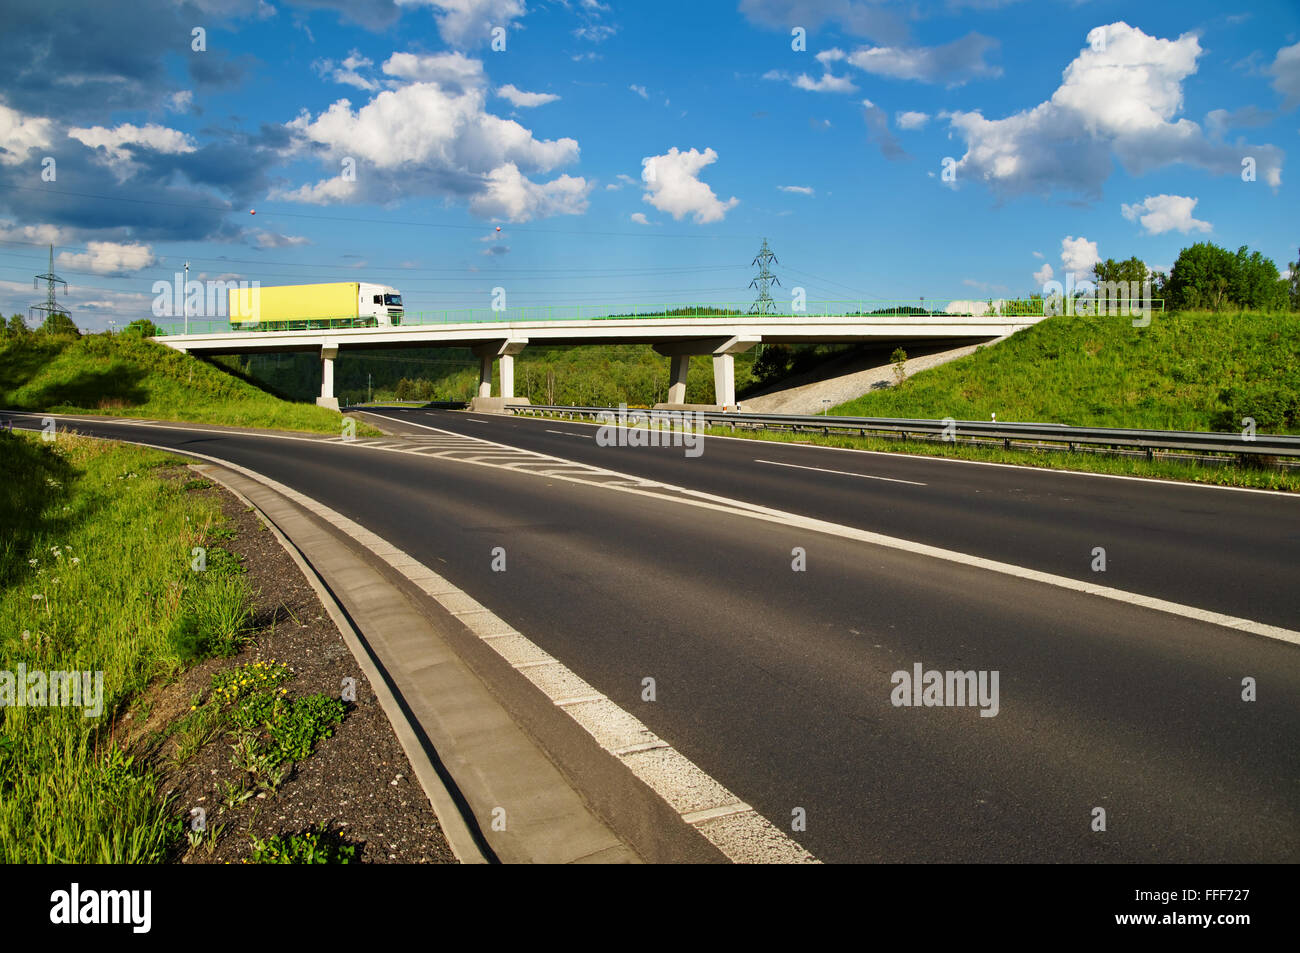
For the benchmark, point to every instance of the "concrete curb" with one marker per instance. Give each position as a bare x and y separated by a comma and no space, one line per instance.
474,757
462,840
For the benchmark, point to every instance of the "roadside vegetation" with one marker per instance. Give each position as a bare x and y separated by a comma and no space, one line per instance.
1243,474
57,369
112,565
95,577
1189,370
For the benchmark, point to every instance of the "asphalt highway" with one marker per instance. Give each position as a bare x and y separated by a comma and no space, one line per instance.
781,684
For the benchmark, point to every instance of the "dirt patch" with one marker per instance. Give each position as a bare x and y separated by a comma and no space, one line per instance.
357,783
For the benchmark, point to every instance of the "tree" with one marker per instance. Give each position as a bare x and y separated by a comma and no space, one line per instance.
899,359
17,327
58,325
1256,283
1293,284
142,327
1207,276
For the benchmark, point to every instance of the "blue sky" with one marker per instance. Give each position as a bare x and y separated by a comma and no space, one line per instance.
636,152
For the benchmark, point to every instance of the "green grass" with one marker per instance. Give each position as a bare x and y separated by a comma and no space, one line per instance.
95,575
127,376
1262,478
1186,371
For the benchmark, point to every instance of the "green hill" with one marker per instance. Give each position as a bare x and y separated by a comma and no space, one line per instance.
127,376
1186,371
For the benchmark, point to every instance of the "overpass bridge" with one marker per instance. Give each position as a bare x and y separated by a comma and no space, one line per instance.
500,339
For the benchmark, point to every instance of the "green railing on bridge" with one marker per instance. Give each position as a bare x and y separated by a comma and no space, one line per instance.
863,308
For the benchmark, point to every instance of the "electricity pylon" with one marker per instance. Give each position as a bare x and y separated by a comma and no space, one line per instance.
51,280
764,303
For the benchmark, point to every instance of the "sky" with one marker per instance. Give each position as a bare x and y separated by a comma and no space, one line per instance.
635,153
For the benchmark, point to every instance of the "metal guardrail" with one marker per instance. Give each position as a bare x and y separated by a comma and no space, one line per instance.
1194,441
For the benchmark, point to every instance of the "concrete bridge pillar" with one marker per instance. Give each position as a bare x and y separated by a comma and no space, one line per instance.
681,365
723,351
327,398
724,380
505,352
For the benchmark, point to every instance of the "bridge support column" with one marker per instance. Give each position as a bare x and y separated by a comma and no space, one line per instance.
505,352
681,365
327,398
507,362
724,380
484,374
723,350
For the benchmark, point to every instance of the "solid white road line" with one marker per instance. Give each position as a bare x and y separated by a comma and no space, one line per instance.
865,476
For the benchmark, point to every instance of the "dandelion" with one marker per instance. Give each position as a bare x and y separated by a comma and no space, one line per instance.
27,635
37,597
33,562
76,560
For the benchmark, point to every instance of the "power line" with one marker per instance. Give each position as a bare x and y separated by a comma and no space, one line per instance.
374,221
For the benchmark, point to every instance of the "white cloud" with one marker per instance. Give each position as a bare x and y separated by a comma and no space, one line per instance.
1119,101
20,134
433,136
1286,75
1043,275
1078,255
470,22
452,71
797,189
511,196
276,240
120,143
827,84
911,119
639,90
952,64
640,219
523,100
1036,254
672,186
347,73
181,102
106,258
833,55
595,32
37,234
1164,213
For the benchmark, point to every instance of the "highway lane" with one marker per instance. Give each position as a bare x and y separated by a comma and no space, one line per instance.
778,683
1220,549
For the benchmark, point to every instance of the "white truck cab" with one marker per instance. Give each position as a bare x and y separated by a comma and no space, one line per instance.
381,302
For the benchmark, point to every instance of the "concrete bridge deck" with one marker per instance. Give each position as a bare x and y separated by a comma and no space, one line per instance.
721,338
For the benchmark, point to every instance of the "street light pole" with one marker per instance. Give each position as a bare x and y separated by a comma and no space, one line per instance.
185,297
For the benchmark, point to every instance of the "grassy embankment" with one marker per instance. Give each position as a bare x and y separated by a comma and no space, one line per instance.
99,575
127,376
94,576
1186,371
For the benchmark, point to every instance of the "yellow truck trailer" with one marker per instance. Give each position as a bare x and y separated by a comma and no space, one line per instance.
338,304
